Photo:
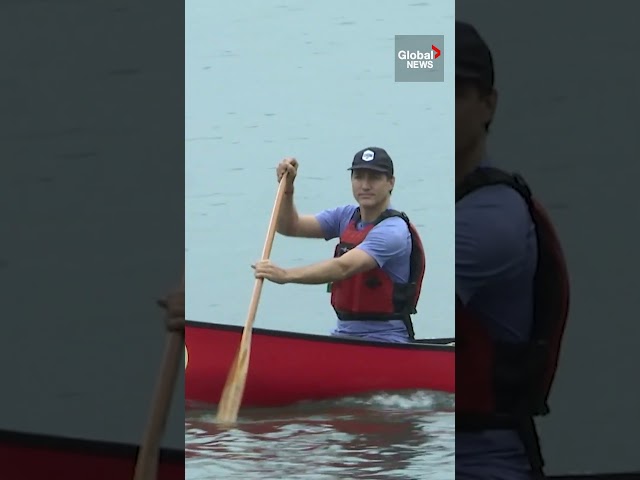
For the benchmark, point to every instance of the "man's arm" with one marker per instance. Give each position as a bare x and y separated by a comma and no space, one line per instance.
291,224
353,262
387,240
492,227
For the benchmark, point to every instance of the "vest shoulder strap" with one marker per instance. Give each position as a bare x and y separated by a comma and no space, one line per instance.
489,176
386,214
393,213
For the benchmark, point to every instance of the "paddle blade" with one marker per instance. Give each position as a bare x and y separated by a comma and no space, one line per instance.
231,397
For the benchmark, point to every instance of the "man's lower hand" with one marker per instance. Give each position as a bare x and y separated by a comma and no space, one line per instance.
267,270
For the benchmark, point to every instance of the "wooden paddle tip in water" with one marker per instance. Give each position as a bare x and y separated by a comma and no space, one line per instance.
231,397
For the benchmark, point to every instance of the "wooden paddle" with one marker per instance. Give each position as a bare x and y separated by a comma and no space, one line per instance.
231,397
148,456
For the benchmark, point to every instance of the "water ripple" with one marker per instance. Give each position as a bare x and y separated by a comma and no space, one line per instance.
381,436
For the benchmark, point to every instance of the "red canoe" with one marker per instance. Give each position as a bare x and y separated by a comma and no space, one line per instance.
290,367
25,455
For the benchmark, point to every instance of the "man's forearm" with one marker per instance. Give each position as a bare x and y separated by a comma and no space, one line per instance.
288,217
324,272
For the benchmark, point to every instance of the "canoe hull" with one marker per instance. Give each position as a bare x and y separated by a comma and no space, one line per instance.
25,455
287,367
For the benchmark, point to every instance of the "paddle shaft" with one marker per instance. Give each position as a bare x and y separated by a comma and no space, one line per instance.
148,456
231,397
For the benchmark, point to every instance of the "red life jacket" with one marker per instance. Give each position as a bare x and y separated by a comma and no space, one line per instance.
373,295
500,385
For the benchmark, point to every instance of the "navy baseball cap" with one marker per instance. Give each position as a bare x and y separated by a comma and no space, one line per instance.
373,158
474,61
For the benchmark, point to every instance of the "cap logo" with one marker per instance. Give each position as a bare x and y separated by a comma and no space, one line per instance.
367,155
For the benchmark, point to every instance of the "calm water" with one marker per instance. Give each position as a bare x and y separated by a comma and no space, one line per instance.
315,80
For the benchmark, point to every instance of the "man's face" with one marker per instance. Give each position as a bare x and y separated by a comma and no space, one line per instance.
371,188
474,109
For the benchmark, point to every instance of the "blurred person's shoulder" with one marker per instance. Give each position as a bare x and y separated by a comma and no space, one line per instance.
495,238
498,212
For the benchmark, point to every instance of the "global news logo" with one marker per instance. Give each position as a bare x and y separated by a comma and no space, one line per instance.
418,59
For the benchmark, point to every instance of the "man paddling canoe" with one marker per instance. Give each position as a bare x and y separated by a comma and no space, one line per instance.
376,273
511,291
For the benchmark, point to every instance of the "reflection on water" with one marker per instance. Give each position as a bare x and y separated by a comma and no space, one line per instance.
384,436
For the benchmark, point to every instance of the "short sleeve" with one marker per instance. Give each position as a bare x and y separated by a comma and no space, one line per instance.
333,220
387,240
493,226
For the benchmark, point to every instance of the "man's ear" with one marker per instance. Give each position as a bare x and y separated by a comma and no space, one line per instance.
491,104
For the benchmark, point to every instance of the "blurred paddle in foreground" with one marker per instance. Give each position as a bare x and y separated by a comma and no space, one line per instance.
148,456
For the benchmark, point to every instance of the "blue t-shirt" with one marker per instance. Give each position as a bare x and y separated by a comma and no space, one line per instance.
389,243
496,255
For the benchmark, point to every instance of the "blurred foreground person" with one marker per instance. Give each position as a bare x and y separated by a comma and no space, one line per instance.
512,291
